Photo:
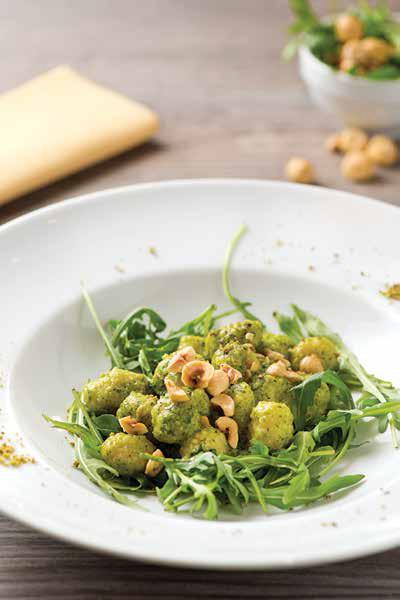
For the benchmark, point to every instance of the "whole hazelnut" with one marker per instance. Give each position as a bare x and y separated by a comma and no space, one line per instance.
357,166
299,170
352,139
381,150
348,27
374,52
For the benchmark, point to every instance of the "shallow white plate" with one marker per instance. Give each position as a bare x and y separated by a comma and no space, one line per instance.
328,251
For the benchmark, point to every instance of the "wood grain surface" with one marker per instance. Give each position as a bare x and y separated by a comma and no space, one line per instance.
229,108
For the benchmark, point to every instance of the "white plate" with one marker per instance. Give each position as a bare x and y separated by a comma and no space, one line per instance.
327,251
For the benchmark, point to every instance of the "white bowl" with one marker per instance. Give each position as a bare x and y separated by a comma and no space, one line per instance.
354,101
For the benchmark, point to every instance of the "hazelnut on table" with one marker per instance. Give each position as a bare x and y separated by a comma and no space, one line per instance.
381,150
347,140
299,170
357,166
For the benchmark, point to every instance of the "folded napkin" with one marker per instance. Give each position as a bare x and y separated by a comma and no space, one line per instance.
59,123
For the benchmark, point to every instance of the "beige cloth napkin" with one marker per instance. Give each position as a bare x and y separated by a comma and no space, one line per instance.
59,123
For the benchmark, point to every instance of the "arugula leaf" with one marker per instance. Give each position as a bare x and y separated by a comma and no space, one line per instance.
298,484
305,18
334,484
349,363
306,390
89,440
308,30
241,306
96,468
335,419
107,424
113,352
387,71
206,482
289,326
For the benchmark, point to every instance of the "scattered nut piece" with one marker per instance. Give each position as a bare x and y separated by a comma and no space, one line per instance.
233,374
132,426
275,356
381,150
254,366
197,373
176,364
230,428
204,422
348,27
219,382
249,337
226,403
299,170
280,369
153,467
357,166
175,393
311,364
180,358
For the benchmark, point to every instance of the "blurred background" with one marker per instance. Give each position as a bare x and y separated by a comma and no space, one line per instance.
228,104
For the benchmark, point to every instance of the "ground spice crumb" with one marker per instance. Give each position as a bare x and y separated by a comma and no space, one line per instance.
153,251
75,464
9,456
311,268
329,524
392,292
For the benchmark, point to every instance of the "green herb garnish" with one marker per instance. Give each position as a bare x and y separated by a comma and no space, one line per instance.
320,37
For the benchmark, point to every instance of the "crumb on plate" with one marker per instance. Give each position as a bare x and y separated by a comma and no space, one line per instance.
392,292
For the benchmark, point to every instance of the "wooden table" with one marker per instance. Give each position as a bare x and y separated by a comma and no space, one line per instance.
229,107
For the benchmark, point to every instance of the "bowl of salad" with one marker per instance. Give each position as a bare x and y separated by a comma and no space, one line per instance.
350,62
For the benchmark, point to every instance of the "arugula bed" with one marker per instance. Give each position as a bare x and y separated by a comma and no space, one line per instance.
212,417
